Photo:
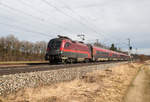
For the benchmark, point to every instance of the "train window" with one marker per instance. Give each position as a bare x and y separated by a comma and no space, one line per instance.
67,45
54,43
102,53
114,55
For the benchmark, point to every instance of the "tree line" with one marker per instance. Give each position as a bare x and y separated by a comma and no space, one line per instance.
12,49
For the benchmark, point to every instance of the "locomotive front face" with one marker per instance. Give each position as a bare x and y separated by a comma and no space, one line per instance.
53,49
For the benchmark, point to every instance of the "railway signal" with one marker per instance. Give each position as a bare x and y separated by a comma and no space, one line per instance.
130,48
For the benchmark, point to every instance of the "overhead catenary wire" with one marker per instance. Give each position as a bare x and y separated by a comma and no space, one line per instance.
41,19
26,30
20,11
36,10
37,18
32,16
81,17
62,27
32,37
61,11
14,26
17,21
21,1
74,12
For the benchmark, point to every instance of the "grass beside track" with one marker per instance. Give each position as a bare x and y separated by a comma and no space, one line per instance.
21,62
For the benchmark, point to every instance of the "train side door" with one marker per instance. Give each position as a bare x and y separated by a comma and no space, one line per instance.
91,51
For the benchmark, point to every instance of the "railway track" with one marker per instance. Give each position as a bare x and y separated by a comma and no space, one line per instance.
44,67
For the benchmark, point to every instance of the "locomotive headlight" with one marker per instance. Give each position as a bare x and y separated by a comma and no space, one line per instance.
61,52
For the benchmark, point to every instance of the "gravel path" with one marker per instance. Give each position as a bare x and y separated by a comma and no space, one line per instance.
139,90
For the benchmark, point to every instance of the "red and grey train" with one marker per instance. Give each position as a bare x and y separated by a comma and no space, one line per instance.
65,50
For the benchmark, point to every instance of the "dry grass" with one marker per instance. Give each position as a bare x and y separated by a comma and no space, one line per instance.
99,86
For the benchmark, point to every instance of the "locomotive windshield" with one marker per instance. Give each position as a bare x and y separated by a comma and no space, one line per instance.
55,44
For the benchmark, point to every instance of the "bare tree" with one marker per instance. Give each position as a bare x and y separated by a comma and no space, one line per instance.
11,49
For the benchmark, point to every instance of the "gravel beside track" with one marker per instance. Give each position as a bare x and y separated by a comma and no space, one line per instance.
16,78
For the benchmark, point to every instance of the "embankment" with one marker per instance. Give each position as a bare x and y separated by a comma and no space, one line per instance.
109,85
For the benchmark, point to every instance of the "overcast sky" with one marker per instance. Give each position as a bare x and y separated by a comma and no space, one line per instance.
110,21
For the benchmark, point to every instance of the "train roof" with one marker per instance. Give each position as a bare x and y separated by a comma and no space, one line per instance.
64,37
102,49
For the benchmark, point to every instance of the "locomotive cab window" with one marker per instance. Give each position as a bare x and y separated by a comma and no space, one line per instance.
55,43
67,45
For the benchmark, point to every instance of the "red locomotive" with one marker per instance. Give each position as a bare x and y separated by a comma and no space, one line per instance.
65,50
